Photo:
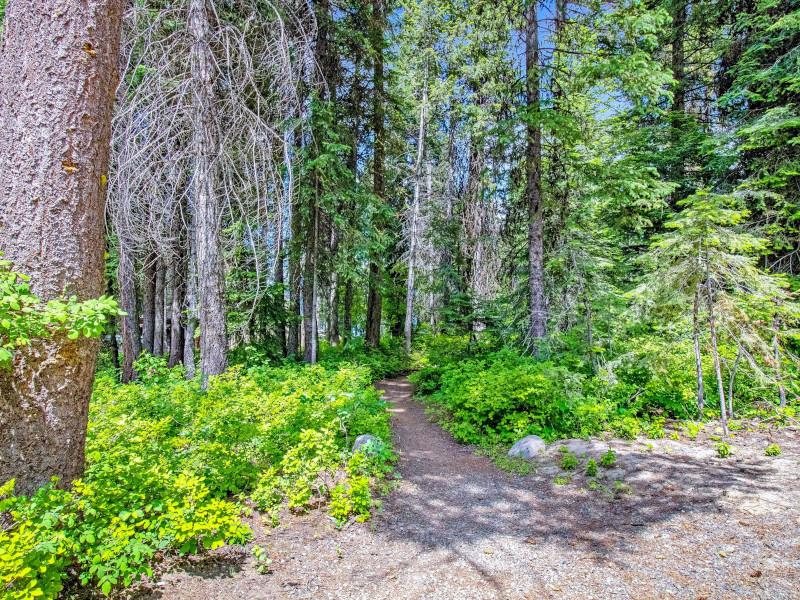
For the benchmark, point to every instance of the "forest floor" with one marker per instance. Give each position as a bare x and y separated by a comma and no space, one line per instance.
683,524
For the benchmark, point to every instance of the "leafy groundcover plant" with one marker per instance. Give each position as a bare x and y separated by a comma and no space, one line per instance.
170,468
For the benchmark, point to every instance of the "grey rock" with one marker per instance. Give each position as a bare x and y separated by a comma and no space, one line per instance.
369,443
614,475
591,448
528,447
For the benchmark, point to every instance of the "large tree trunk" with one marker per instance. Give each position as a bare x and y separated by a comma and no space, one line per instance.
412,251
59,70
126,279
208,209
533,189
149,303
374,297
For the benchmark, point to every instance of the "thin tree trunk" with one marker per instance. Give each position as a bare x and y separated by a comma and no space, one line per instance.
715,352
208,210
112,328
176,268
126,278
589,330
697,356
348,310
191,307
733,378
59,68
295,273
277,272
778,374
374,296
158,337
309,289
149,303
412,253
533,190
333,327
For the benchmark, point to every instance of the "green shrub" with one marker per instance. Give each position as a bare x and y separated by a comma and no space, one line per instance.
569,462
723,450
609,458
591,468
655,431
627,427
772,450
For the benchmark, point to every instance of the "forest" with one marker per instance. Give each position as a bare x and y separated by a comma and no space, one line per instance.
227,224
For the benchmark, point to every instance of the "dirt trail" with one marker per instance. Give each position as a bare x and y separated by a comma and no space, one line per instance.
459,528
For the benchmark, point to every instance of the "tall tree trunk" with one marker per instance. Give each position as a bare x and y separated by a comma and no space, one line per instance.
208,209
126,278
295,270
778,374
678,110
176,270
149,303
697,356
158,337
733,378
348,310
533,189
112,328
191,307
279,280
333,296
714,350
59,68
412,251
309,291
374,296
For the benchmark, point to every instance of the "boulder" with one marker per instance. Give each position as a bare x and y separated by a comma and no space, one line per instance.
370,441
528,447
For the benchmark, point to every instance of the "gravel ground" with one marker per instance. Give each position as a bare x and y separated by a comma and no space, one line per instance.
682,524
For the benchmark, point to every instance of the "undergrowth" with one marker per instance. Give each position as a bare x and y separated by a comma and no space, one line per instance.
170,467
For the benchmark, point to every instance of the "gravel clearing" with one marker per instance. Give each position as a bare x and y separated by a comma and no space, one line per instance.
681,523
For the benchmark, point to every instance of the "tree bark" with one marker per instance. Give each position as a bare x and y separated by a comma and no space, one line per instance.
191,308
374,297
412,252
295,273
309,292
533,189
697,356
176,270
208,210
778,374
158,337
59,69
149,303
112,329
348,310
714,351
126,280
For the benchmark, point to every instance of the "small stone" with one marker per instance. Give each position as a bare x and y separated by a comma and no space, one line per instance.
367,440
528,447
